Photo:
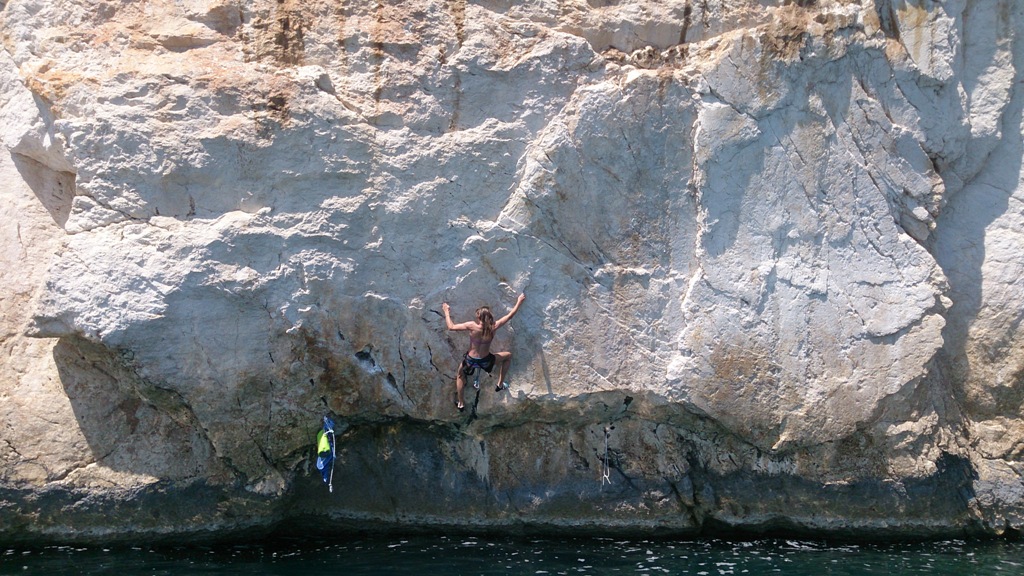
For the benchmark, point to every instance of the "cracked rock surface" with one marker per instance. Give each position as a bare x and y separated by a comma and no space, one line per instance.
771,252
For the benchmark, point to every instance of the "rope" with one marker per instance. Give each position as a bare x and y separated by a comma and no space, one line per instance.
329,434
330,482
606,469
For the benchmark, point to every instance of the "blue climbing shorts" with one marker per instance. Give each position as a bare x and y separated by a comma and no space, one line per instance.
470,364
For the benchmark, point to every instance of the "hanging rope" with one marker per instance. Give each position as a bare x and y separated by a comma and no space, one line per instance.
330,481
325,452
606,469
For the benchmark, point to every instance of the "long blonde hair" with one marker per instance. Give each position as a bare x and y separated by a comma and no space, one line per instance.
483,314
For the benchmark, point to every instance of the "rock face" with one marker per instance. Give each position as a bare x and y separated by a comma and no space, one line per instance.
771,252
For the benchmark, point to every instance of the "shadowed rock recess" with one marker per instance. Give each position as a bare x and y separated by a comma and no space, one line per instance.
771,249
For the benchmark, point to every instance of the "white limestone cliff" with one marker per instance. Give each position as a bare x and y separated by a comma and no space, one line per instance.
770,251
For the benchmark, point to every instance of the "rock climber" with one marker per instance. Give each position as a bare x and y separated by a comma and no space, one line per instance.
481,333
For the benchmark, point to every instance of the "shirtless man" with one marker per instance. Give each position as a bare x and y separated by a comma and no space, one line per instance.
481,333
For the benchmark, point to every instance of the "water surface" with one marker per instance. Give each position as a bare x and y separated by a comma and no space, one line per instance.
442,556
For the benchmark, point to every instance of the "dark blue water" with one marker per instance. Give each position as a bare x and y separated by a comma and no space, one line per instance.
441,556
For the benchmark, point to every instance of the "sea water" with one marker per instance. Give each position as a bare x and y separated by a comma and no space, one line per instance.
461,555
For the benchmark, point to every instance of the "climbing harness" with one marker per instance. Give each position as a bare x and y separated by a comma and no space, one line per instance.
325,452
